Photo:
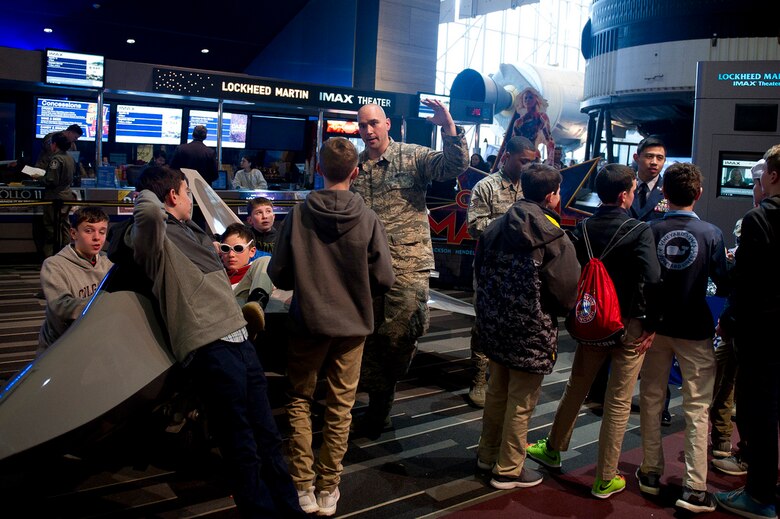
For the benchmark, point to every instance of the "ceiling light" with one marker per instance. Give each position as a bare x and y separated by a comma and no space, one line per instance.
130,41
204,51
47,30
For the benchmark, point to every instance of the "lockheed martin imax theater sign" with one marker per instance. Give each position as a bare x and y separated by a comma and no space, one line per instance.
200,84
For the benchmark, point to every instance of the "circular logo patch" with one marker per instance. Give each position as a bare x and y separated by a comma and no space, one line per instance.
586,309
677,250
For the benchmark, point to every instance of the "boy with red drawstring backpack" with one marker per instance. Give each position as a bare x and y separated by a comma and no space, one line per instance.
632,265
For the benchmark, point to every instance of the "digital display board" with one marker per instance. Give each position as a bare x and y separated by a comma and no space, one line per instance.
735,177
148,124
233,128
425,112
53,115
342,127
74,69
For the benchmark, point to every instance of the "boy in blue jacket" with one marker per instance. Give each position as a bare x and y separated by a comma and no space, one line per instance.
689,251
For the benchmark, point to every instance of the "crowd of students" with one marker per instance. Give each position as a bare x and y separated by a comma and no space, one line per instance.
212,296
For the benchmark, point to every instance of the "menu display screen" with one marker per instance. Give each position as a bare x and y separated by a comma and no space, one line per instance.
53,115
233,127
74,69
148,124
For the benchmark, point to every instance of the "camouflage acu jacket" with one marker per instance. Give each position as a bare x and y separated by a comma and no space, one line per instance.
490,198
394,187
527,273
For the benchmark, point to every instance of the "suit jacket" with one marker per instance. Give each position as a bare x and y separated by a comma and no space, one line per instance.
656,205
196,155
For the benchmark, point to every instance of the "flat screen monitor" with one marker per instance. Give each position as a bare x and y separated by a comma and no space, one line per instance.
53,115
148,124
74,69
425,112
734,176
341,127
267,132
233,128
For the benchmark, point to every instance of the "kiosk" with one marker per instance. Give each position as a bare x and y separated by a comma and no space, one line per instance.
735,122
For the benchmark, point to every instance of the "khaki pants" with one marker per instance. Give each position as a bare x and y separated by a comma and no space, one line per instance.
588,360
697,364
510,401
340,358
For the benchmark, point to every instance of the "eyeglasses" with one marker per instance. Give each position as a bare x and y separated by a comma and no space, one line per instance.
238,248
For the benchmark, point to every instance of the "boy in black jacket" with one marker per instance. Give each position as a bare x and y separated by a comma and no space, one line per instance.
526,271
689,251
633,267
333,252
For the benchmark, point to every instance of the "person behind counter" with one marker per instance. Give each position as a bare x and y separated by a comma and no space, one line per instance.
72,133
249,177
57,181
196,155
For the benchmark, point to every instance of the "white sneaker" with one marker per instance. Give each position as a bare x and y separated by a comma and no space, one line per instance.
307,501
327,502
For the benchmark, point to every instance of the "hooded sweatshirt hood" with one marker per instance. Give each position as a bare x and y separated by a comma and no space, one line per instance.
335,213
527,225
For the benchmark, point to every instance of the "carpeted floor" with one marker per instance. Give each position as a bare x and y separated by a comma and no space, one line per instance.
567,494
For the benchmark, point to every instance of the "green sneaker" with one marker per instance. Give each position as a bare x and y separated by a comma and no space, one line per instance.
539,452
604,489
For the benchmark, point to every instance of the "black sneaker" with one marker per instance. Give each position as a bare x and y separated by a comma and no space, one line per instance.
666,418
527,478
696,500
649,483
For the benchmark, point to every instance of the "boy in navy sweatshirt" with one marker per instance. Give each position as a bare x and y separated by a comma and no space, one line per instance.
689,251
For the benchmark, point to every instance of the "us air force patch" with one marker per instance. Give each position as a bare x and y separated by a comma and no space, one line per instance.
54,164
677,250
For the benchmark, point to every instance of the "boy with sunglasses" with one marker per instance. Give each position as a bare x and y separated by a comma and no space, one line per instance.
332,250
251,284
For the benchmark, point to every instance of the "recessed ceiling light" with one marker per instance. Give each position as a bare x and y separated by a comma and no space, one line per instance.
204,51
130,41
48,29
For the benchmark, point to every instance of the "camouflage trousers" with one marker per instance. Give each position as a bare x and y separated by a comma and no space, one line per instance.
400,317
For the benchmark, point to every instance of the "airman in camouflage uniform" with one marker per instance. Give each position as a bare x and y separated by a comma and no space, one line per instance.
491,197
393,180
73,132
57,181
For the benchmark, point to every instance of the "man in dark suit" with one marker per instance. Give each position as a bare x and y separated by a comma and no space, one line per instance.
649,203
196,155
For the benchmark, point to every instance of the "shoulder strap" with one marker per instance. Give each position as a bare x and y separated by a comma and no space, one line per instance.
588,248
611,245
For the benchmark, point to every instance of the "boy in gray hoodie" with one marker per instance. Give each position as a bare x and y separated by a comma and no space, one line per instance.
71,277
207,335
333,252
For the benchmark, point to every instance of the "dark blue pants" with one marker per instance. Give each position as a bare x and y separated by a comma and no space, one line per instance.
758,396
232,384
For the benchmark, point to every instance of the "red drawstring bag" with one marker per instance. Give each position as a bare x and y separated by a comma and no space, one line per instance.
596,320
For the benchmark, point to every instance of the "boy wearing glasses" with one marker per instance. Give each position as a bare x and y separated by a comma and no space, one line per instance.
207,334
332,250
251,284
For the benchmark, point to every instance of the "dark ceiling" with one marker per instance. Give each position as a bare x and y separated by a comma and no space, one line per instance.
166,32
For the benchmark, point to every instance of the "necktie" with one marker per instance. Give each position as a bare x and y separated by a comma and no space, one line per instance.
642,194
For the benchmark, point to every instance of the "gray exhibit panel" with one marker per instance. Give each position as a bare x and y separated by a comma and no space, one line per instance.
113,352
736,120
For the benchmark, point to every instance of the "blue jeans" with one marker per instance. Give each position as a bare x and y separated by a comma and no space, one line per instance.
231,382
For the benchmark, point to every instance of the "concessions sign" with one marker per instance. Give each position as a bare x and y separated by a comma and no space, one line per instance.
261,90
